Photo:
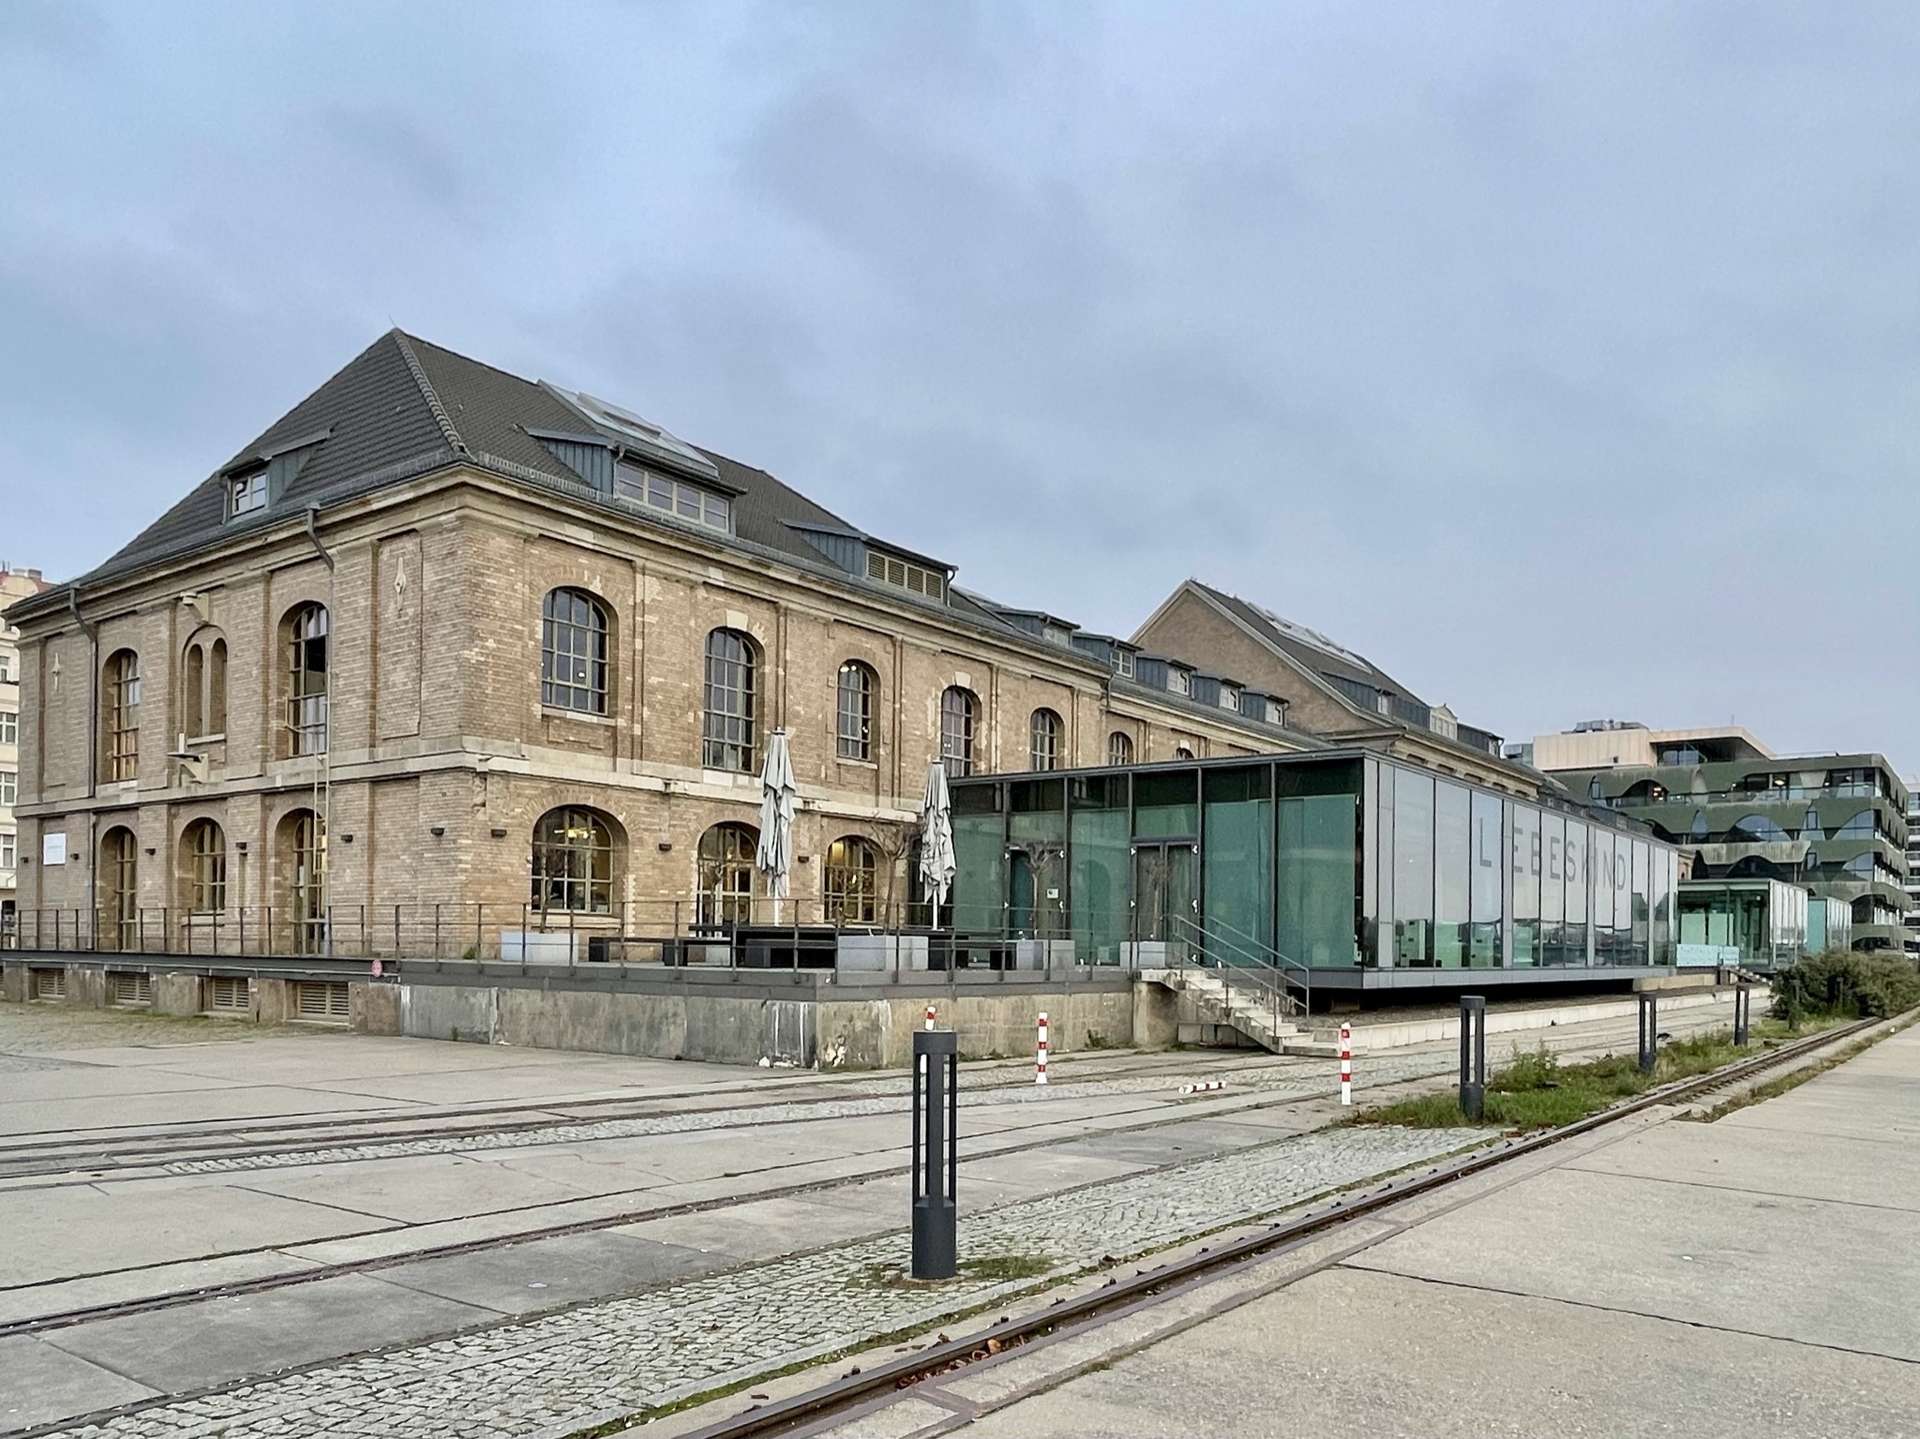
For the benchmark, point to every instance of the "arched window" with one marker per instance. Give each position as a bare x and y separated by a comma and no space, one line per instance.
1182,751
1698,831
1043,740
573,652
120,725
727,738
959,711
119,886
855,709
1757,827
205,847
726,874
1119,748
203,685
303,883
851,882
1859,826
573,862
308,633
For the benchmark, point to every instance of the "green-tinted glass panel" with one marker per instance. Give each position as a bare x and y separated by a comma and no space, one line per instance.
1166,804
1238,863
1317,881
979,859
1452,874
1487,893
1099,878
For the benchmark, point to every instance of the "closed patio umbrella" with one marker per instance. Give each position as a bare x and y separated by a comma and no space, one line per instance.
774,857
936,838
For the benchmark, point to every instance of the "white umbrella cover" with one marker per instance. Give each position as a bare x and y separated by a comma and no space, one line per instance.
936,839
774,857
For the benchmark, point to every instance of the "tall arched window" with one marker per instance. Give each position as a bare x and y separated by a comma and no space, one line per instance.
203,685
119,886
1043,740
303,870
855,710
851,883
959,711
1119,748
573,652
308,633
205,847
120,727
726,874
727,738
573,862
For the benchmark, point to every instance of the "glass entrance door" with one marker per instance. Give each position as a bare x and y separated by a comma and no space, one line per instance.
1165,903
1035,909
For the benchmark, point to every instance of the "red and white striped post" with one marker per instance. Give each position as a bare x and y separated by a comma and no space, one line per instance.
929,1019
1040,1052
1346,1064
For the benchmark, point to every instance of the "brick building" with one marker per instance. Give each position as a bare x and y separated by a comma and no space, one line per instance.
443,637
14,585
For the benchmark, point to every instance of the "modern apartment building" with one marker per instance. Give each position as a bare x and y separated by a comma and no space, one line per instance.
14,585
1835,824
1325,688
1913,866
443,641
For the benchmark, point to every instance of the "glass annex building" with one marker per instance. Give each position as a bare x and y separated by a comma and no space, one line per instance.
1371,873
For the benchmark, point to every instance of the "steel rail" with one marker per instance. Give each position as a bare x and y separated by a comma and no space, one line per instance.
786,1415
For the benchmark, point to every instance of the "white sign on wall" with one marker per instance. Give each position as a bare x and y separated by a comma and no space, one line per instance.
53,847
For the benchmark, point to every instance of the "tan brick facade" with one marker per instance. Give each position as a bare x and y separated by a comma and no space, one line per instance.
442,758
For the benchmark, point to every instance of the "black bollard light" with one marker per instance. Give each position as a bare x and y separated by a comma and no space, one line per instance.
1742,1015
1649,1033
1473,1055
936,1113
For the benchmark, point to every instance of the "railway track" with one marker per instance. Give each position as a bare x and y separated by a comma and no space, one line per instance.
807,1412
1154,1105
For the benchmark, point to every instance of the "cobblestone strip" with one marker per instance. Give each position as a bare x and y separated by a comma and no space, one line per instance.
582,1366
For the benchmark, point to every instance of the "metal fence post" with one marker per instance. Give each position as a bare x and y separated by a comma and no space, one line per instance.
936,1085
1649,1032
1473,1055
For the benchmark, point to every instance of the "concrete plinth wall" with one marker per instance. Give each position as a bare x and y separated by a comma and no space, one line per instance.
724,1028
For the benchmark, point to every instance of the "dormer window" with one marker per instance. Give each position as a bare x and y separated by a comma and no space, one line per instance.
1276,711
1180,682
656,491
247,492
1229,698
904,575
1123,663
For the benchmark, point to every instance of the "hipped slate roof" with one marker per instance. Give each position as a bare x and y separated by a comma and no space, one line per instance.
1324,657
403,407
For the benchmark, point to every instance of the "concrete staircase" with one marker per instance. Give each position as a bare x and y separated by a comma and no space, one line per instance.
1226,1017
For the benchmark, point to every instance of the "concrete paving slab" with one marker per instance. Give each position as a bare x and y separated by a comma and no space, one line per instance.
87,1081
890,1198
1351,1353
545,1273
87,1232
60,1296
1791,1268
1153,1147
767,1228
579,1170
40,1384
1803,1164
421,1187
222,1340
1044,1170
122,1111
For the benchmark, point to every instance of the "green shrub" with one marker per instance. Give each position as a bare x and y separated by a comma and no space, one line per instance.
1539,1069
1846,984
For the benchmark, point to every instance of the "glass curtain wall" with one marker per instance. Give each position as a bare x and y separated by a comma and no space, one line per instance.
1097,850
1452,875
1236,860
1526,886
1488,895
1317,866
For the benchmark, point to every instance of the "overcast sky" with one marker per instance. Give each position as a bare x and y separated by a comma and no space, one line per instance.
1564,359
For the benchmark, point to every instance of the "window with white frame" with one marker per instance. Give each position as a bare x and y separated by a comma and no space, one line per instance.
904,575
8,849
656,491
9,787
9,727
247,492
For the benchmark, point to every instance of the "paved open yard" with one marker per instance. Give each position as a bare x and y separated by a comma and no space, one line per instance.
306,1231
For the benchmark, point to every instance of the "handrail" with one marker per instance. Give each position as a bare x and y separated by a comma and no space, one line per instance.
1279,981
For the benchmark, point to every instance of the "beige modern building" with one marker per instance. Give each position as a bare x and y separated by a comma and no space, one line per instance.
1616,744
449,653
14,585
